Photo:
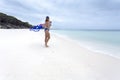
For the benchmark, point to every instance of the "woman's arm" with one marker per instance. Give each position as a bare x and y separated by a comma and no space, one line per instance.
50,23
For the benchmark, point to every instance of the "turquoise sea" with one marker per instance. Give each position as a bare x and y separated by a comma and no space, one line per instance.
103,41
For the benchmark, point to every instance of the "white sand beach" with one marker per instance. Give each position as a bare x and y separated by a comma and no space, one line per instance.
23,56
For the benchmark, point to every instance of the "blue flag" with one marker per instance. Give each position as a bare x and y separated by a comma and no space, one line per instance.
36,28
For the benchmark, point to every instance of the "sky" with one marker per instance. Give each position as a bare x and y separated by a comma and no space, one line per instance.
75,14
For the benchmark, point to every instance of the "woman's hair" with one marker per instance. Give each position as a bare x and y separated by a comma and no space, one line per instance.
47,18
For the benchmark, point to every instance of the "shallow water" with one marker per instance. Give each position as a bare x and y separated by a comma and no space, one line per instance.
107,42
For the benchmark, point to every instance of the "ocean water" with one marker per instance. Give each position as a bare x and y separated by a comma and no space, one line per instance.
107,42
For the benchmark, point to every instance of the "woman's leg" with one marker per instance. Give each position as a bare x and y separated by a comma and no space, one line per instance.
46,37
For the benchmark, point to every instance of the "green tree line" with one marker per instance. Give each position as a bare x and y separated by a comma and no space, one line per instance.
10,20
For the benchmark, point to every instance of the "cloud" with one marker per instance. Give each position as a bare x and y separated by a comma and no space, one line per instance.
77,13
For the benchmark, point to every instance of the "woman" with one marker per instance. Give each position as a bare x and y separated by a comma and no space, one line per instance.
47,28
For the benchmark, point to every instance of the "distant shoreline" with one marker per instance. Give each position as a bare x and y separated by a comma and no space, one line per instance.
74,29
90,29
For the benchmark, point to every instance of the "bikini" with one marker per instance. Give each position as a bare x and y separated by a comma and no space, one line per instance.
46,29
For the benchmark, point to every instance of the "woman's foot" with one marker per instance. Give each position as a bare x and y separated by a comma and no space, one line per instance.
46,45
